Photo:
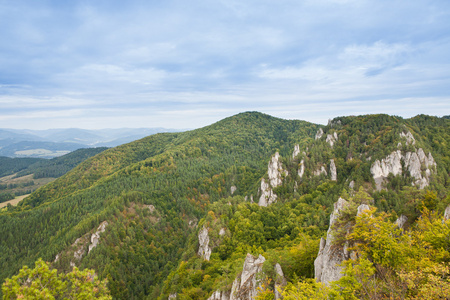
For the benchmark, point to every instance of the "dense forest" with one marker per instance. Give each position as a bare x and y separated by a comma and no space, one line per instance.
149,200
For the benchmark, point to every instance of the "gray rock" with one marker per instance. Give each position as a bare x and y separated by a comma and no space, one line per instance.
361,209
333,170
95,238
319,134
400,222
246,286
233,189
220,295
447,213
326,265
267,195
320,170
410,140
301,170
203,239
296,151
280,281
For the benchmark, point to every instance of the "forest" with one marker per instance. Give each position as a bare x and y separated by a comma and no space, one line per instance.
156,194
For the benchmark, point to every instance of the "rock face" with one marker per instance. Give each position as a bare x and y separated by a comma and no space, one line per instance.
301,169
203,239
447,213
296,151
319,133
233,189
331,139
400,222
95,238
410,140
320,170
275,171
280,281
326,265
219,295
246,286
333,170
413,162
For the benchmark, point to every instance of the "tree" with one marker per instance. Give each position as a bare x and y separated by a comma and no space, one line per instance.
45,283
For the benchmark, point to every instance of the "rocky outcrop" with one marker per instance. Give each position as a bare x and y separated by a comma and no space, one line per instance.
95,238
275,171
267,195
331,139
203,239
320,170
296,151
413,162
301,169
280,281
246,285
361,209
447,213
172,296
326,265
401,221
220,295
333,171
410,140
319,133
79,252
233,189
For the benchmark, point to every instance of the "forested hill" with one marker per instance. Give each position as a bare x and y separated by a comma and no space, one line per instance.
257,184
180,174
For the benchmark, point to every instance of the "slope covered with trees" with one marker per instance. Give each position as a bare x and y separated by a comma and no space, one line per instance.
153,197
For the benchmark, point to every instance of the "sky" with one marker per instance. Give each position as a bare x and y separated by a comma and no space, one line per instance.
187,64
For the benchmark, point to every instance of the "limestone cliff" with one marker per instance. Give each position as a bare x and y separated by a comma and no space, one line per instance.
275,171
333,171
327,264
412,161
246,284
203,240
95,238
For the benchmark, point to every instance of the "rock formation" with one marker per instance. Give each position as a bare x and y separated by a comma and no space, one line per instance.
333,170
233,189
301,169
203,240
280,281
319,133
296,151
410,140
320,170
413,162
447,213
95,238
220,295
326,265
400,222
246,285
331,139
274,171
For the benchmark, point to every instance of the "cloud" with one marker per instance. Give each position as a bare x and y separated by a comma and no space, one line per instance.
109,61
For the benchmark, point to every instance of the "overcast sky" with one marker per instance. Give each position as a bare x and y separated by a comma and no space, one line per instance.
187,64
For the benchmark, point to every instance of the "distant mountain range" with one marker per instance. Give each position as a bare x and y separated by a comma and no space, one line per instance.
56,142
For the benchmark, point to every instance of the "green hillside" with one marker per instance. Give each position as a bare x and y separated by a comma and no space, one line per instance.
153,196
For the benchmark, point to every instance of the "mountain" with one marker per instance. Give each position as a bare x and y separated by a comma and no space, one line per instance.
227,208
55,142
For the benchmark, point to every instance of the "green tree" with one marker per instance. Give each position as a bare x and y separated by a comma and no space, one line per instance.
45,283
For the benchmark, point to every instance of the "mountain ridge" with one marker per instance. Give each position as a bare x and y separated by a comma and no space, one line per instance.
155,194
